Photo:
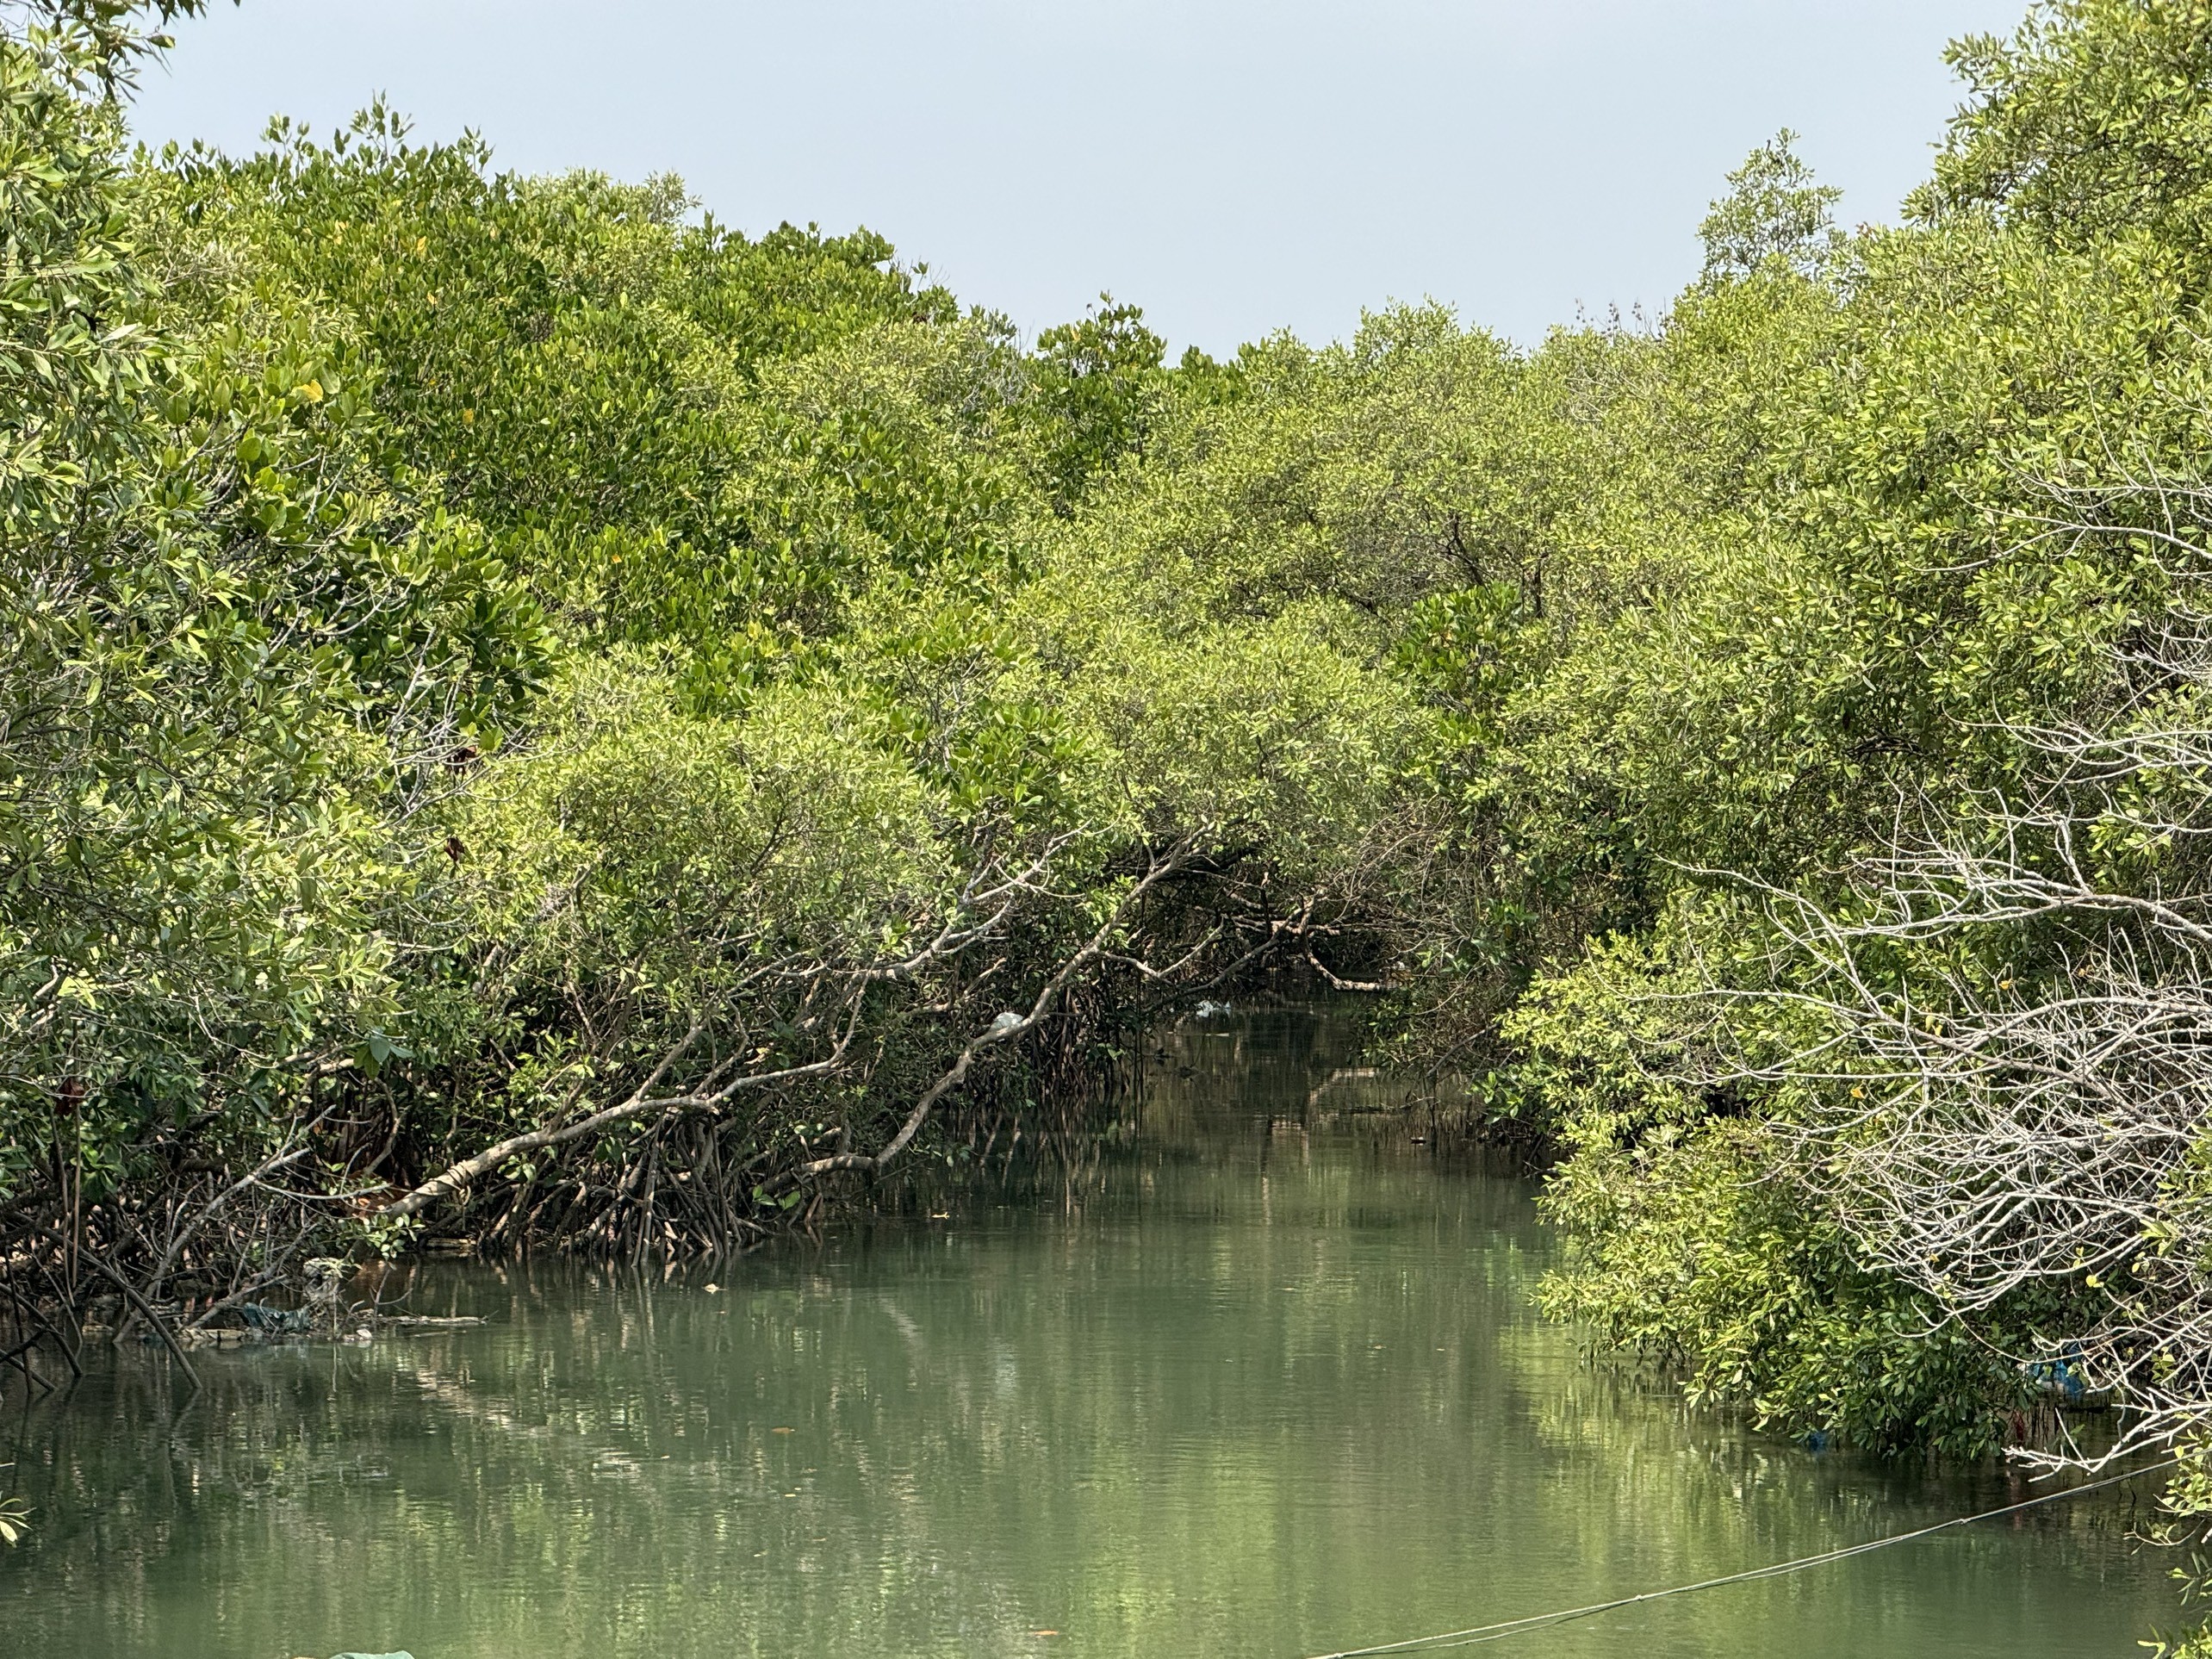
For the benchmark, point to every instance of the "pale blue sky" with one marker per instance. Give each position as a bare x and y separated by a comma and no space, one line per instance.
1234,166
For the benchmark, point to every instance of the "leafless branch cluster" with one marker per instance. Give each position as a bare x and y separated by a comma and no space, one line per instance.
988,903
1990,1049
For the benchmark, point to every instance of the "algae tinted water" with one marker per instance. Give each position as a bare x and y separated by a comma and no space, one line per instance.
1256,1377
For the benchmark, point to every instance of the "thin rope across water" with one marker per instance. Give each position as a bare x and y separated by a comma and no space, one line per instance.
1468,1639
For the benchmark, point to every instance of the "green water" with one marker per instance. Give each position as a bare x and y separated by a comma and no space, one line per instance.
1255,1375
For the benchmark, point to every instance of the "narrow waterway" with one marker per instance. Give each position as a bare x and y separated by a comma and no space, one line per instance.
1257,1374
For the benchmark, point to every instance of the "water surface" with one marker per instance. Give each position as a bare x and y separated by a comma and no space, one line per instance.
1255,1376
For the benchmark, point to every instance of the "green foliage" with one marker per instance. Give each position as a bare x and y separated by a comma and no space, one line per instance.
1099,382
1686,1251
2090,123
1688,1243
242,635
1775,210
783,831
582,370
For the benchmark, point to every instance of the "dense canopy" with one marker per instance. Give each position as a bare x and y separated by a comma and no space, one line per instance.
536,717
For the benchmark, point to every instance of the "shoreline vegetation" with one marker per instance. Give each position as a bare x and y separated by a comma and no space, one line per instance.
537,720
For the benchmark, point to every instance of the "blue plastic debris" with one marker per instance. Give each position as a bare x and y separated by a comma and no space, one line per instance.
2068,1375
